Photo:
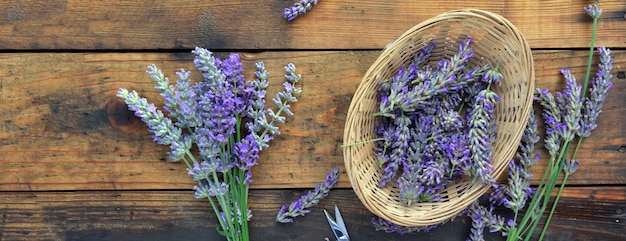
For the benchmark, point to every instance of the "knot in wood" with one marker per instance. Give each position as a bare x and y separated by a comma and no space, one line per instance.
121,118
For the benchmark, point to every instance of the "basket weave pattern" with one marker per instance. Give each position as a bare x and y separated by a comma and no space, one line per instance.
495,40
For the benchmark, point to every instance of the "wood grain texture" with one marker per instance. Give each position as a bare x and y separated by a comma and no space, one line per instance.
583,214
56,135
350,24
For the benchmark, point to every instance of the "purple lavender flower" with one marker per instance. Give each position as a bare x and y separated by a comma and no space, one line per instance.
493,76
208,65
410,185
593,10
215,99
515,193
485,218
552,117
600,86
482,135
184,99
246,153
243,91
570,166
478,225
166,90
256,110
443,77
180,148
468,93
288,213
446,77
570,103
399,99
298,9
210,189
397,141
202,171
455,149
262,129
450,120
422,56
162,127
433,174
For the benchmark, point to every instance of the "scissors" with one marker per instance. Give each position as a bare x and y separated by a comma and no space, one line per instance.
338,226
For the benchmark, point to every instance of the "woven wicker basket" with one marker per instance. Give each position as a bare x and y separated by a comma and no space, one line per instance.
495,40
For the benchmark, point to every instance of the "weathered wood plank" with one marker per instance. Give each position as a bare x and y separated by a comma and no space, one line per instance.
583,214
352,24
55,132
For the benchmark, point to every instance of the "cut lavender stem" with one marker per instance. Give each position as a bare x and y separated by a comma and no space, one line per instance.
288,213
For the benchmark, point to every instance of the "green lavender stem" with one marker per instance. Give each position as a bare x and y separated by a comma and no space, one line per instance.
554,168
583,93
590,60
556,200
516,233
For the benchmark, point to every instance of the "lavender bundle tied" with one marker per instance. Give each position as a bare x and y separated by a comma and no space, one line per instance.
226,118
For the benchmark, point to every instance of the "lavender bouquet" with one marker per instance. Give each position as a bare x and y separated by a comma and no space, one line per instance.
227,120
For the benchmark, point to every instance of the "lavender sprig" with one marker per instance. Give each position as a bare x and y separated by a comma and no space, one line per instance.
411,187
447,76
516,192
163,129
482,218
298,9
600,86
398,142
263,130
570,103
593,10
288,213
551,115
482,135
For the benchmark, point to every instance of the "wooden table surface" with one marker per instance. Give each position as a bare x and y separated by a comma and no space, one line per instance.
73,169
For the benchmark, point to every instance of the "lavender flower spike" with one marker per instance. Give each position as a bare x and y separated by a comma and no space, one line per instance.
485,218
282,99
570,103
552,116
291,13
593,10
481,125
600,86
162,127
299,207
515,194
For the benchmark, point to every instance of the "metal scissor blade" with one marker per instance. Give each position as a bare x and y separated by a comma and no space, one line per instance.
338,227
